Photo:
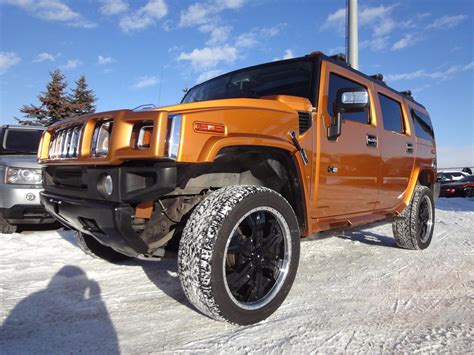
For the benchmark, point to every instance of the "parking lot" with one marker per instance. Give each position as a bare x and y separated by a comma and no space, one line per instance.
353,293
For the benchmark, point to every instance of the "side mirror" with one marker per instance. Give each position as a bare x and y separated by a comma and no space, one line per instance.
347,100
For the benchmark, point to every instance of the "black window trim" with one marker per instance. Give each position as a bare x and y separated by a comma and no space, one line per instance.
369,115
404,131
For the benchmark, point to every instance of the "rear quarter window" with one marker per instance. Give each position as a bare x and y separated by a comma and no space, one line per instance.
423,125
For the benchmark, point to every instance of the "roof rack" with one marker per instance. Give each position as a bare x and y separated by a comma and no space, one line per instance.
407,93
340,57
378,77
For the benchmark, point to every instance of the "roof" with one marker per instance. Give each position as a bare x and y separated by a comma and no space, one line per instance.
345,65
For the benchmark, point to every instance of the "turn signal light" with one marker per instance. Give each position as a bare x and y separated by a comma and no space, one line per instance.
209,127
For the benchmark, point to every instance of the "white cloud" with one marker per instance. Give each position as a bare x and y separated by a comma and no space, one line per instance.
378,19
144,17
446,74
252,39
219,34
145,82
288,55
369,15
208,75
246,40
209,57
375,43
102,60
205,12
113,7
52,10
407,40
335,20
44,56
8,60
71,64
447,22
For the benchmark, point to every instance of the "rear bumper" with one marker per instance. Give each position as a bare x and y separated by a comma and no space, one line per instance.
110,223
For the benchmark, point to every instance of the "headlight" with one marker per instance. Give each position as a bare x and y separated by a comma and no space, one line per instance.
23,176
174,136
101,138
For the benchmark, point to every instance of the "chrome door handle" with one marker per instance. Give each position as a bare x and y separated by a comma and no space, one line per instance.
409,148
371,140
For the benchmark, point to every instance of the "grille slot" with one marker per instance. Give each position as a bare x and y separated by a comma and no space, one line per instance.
304,121
65,143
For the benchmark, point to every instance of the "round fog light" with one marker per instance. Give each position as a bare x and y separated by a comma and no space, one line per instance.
106,185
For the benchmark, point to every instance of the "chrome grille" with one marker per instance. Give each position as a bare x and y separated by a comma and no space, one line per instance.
65,143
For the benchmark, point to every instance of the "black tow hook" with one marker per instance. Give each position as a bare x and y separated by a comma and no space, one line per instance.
299,147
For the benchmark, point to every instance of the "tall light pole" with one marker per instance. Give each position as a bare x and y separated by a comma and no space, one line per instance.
352,38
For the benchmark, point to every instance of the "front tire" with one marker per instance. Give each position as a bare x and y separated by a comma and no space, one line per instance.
239,254
414,230
92,247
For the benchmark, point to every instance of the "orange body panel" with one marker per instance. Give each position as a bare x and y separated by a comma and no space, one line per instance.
369,184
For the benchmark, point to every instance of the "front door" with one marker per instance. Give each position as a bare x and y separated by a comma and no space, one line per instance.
347,182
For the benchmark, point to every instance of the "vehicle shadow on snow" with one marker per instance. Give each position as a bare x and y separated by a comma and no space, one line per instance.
164,275
68,316
371,239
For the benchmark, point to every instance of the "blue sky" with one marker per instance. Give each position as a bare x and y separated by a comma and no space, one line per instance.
140,51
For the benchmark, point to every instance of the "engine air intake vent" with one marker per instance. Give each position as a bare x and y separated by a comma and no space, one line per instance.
304,121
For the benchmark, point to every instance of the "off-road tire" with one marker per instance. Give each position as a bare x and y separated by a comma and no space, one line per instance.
203,248
92,247
5,227
407,229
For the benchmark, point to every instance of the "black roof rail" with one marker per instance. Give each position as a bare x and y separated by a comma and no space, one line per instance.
407,93
378,77
340,57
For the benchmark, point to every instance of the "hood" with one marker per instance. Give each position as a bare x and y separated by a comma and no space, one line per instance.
20,161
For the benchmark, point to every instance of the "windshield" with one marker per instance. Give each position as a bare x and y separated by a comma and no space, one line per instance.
292,77
21,141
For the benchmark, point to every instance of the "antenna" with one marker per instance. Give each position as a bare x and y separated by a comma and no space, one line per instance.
352,35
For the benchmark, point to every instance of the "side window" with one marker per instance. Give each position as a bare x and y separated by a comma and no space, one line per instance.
391,114
337,82
423,126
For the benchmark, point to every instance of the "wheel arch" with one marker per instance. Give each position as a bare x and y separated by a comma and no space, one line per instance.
273,167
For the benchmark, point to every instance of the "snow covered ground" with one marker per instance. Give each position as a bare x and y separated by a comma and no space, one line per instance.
356,293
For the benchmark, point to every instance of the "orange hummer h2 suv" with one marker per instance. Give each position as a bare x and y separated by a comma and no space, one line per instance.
235,175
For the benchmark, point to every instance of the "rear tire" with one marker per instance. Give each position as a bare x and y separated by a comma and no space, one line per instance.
414,230
5,227
239,254
92,247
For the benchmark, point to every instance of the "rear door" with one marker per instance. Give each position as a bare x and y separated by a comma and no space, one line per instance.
398,147
347,180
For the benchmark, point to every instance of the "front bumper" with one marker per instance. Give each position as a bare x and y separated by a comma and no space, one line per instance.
110,223
20,204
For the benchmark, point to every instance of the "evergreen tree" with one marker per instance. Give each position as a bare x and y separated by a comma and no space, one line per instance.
54,103
82,98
